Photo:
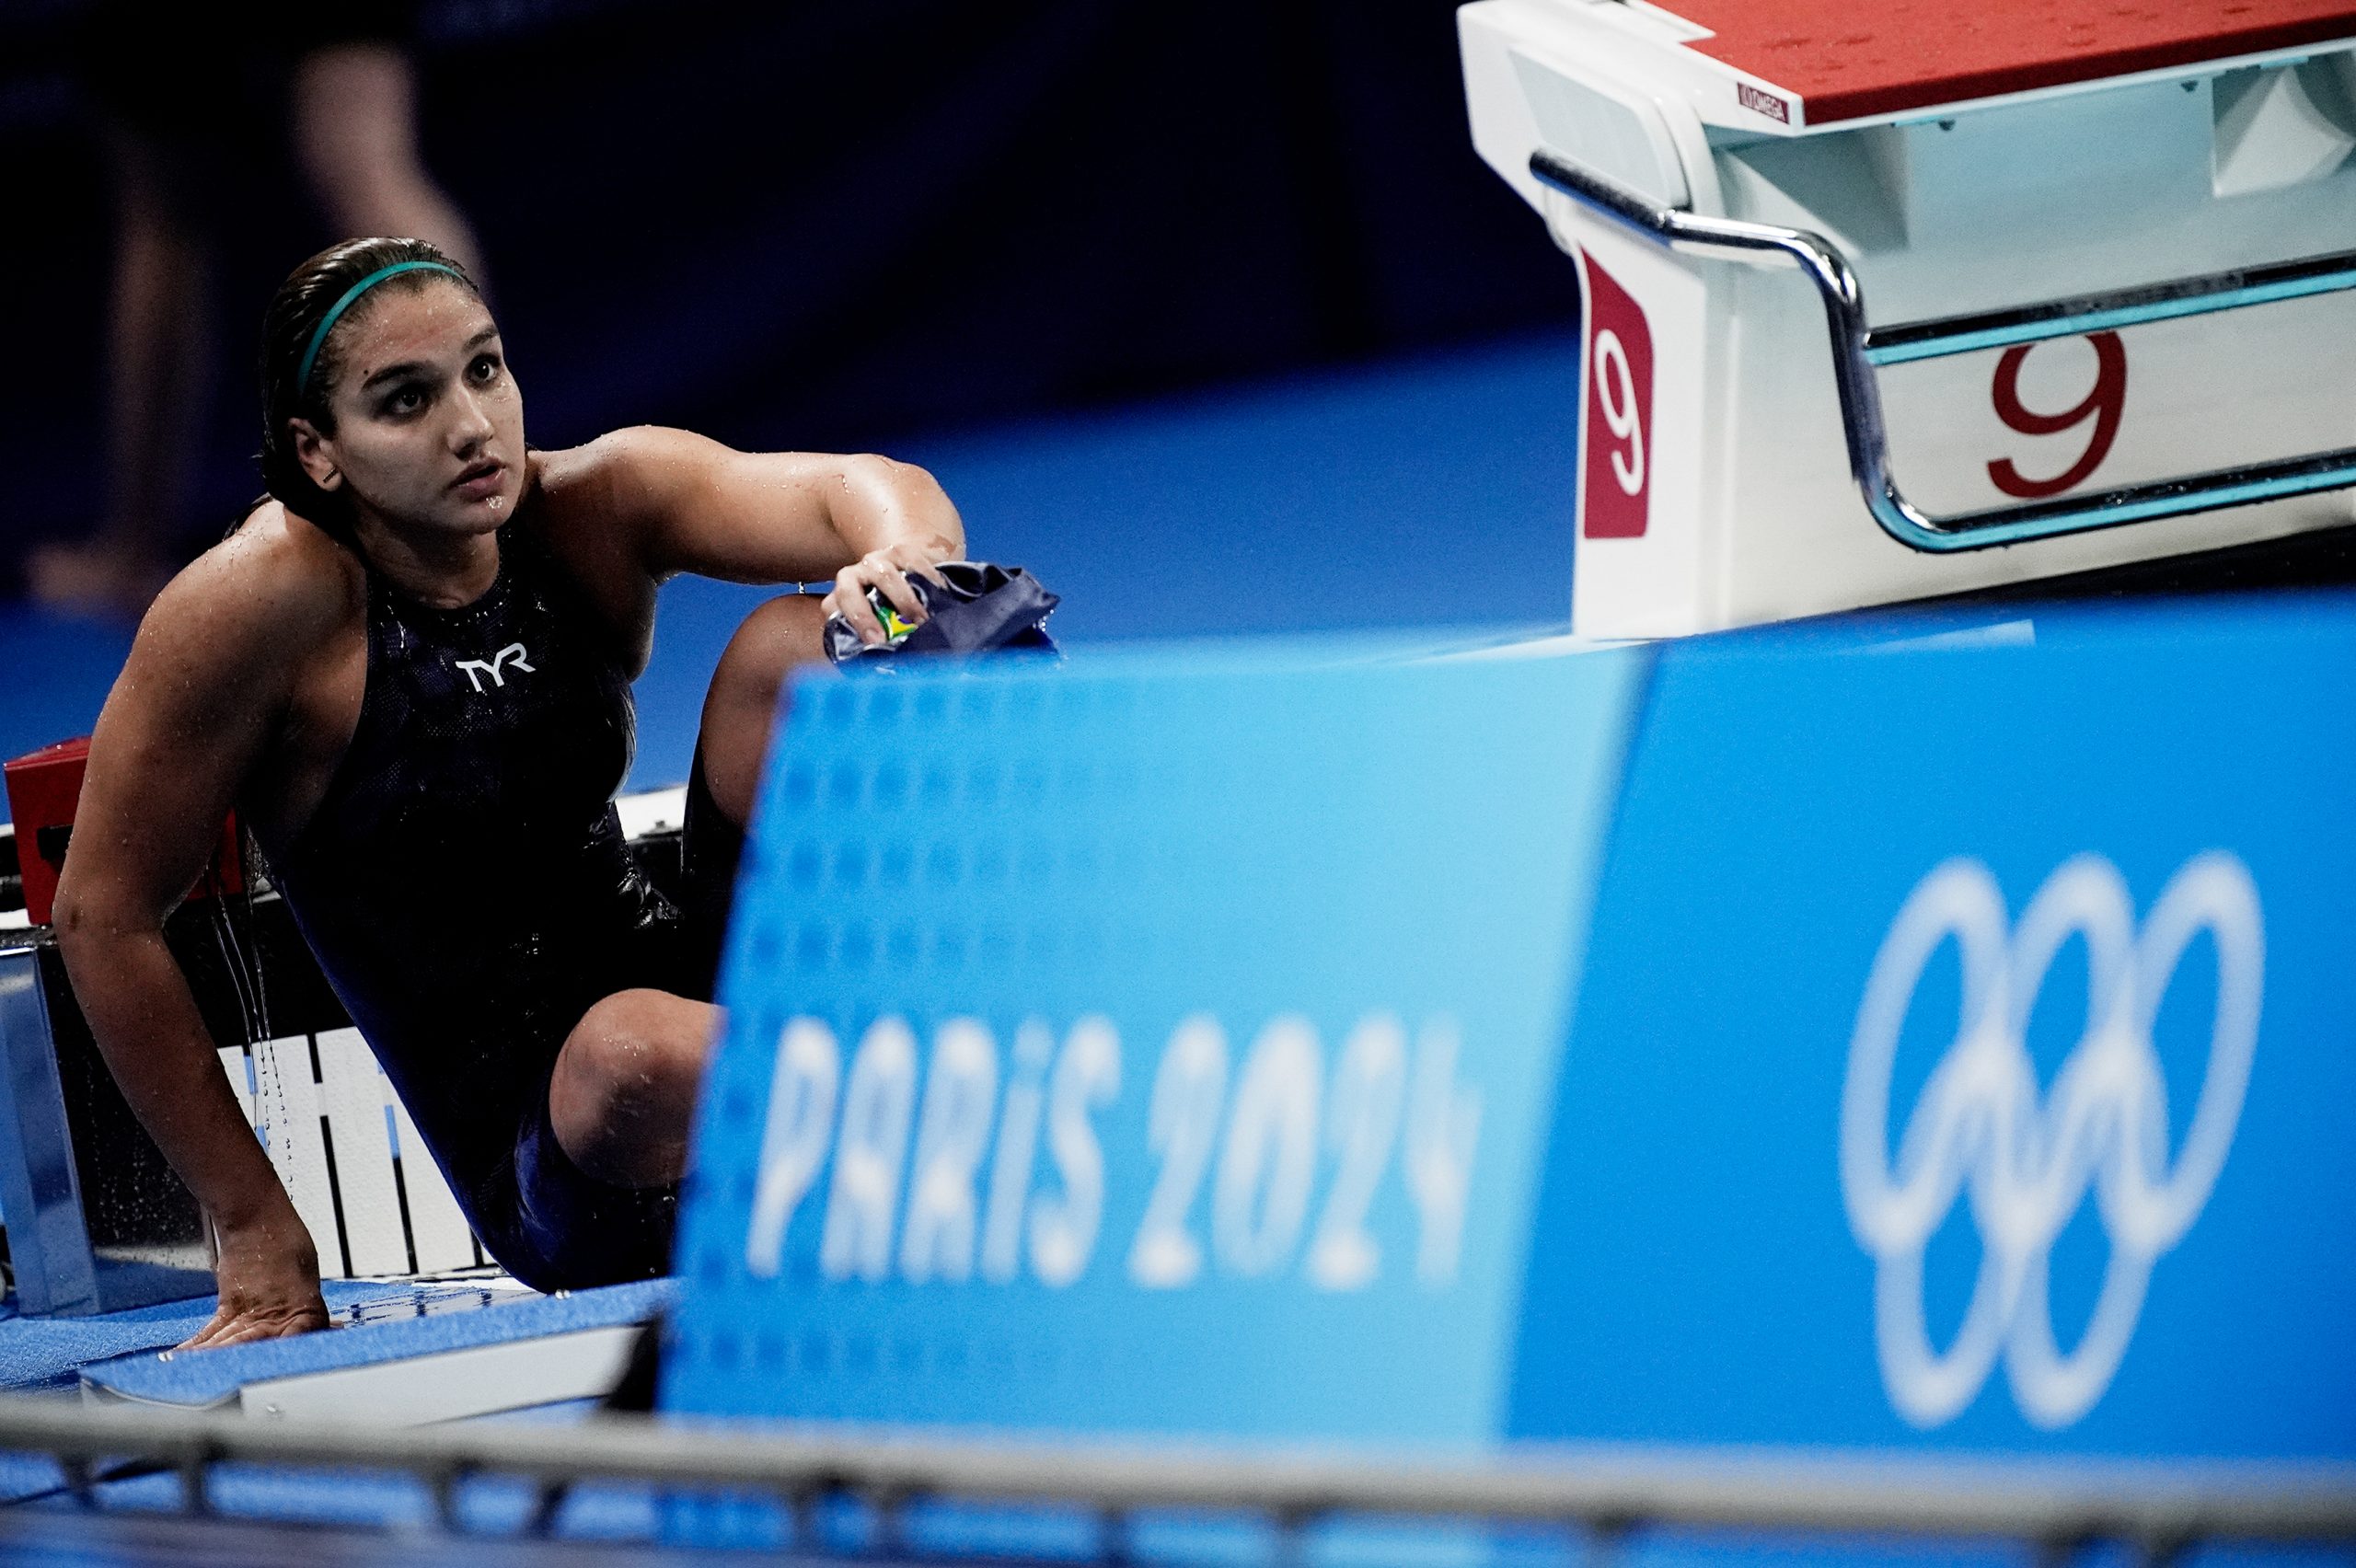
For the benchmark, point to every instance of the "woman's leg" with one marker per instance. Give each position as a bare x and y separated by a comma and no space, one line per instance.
158,351
739,712
355,135
743,702
623,1095
624,1091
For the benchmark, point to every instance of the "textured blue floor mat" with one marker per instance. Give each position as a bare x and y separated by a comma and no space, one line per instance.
203,1377
46,1354
389,1321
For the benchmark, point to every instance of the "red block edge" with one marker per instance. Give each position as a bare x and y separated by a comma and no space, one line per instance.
45,786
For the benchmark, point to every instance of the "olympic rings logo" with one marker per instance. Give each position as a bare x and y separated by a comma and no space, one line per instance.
2027,1165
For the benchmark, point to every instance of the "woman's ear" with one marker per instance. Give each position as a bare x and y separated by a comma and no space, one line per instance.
311,451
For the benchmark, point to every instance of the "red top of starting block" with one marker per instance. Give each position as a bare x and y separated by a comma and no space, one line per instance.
1847,62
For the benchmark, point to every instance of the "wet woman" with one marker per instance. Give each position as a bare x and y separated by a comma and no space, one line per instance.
408,672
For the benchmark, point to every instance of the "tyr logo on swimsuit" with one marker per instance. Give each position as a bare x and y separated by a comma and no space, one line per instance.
496,666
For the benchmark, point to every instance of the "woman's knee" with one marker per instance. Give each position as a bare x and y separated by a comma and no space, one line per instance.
747,697
623,1093
778,638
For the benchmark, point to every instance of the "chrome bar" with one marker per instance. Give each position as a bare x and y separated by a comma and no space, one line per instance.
1866,433
2152,1503
55,1267
2237,290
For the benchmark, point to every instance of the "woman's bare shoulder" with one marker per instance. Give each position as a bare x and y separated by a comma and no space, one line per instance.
634,452
623,475
273,591
586,503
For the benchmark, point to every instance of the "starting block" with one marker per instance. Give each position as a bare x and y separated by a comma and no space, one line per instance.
2082,270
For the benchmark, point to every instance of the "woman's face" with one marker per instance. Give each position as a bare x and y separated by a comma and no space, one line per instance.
429,425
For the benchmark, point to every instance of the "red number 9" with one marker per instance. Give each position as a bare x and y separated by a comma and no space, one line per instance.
2103,405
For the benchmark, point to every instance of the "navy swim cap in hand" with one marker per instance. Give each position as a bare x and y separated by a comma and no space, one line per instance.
977,608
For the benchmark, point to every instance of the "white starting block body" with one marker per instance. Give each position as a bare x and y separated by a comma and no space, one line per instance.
351,1157
2094,310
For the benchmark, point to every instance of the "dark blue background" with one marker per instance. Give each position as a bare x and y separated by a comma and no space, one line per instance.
831,225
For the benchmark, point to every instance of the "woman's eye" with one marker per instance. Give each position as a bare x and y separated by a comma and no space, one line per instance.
408,400
486,369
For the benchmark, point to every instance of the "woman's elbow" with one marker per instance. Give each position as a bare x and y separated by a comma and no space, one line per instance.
904,481
69,907
923,494
84,917
74,917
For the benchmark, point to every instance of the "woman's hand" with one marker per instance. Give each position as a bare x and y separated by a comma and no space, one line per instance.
268,1273
886,570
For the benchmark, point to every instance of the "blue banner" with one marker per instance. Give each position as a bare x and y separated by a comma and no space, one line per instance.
1936,1044
1161,1043
1963,1058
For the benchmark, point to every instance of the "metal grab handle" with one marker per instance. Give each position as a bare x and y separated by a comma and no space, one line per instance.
1857,351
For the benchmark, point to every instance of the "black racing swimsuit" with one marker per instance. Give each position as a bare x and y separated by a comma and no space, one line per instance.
466,886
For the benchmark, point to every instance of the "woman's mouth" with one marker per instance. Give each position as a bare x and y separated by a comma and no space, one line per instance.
481,481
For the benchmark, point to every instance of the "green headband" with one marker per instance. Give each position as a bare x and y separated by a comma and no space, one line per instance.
335,313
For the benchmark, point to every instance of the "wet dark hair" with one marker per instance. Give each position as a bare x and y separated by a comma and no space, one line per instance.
302,300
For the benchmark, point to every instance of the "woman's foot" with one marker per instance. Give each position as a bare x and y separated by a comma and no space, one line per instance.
115,580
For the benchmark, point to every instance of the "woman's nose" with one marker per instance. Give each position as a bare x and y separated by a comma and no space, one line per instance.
471,425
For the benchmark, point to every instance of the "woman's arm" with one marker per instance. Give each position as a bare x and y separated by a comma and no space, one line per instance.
208,676
690,504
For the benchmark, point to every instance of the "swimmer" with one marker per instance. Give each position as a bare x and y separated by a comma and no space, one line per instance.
408,672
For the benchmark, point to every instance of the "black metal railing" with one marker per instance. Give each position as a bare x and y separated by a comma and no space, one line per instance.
2157,1509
